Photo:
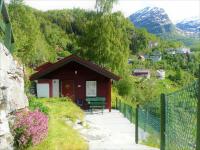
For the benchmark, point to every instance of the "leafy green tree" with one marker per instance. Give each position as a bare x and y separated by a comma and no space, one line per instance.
14,2
139,41
106,41
126,87
104,6
30,45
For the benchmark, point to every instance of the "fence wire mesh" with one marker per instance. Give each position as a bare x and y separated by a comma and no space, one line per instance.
127,110
181,118
149,123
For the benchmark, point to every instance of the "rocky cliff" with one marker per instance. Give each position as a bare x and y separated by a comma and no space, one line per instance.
12,97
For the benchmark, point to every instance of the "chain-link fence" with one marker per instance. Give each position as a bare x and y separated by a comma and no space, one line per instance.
181,119
169,121
149,123
127,110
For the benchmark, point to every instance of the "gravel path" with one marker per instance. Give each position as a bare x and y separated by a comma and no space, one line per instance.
110,131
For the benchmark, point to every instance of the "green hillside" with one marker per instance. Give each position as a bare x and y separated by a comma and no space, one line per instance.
174,36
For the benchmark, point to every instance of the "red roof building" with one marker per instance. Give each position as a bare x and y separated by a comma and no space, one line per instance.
75,78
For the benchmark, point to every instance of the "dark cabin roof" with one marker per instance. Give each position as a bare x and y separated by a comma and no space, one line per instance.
43,66
72,58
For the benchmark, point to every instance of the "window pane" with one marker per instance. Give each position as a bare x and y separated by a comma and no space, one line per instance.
91,88
43,90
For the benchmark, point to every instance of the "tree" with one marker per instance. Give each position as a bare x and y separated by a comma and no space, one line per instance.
30,45
104,6
140,40
126,87
15,2
106,42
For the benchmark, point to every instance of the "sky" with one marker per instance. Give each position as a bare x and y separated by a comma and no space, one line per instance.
176,9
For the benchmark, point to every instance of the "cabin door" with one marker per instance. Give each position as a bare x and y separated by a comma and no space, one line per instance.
68,89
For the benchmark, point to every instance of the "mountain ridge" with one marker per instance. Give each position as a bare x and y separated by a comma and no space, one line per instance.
157,21
190,26
154,19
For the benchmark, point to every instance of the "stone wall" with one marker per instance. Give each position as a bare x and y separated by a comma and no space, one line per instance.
12,95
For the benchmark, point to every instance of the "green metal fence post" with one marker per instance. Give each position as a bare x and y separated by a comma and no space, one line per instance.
136,124
198,115
120,106
131,115
116,103
162,121
124,109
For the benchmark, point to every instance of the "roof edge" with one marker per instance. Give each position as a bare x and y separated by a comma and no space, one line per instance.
79,60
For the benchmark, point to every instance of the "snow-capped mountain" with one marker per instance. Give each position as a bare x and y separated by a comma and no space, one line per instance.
154,19
190,25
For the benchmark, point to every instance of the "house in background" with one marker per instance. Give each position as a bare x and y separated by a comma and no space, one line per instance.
75,78
180,50
152,44
170,51
183,50
160,74
155,56
142,73
130,61
141,57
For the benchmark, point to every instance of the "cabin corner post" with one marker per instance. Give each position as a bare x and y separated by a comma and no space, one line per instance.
198,114
109,94
162,121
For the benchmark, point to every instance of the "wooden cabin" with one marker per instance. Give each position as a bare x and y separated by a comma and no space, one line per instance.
141,73
75,78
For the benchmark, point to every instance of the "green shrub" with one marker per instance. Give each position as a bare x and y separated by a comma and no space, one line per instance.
125,87
35,104
115,95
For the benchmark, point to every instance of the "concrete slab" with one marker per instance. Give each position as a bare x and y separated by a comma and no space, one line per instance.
110,131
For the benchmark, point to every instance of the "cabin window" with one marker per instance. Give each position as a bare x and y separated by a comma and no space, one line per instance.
43,90
91,88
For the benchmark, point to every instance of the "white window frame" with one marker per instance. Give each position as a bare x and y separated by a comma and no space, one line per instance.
43,90
91,88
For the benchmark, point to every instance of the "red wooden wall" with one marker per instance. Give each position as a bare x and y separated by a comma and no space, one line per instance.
84,74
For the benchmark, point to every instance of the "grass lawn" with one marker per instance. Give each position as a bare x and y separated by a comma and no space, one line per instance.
60,135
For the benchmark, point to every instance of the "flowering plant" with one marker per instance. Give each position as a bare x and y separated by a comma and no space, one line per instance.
30,128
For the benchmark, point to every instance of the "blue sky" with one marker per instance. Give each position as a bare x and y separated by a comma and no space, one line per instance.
176,9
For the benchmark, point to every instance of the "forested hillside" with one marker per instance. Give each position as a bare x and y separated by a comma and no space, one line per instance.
108,39
42,36
45,36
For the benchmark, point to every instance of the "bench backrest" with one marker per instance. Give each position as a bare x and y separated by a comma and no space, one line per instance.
95,99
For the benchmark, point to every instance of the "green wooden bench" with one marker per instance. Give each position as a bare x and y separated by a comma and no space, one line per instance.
96,102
